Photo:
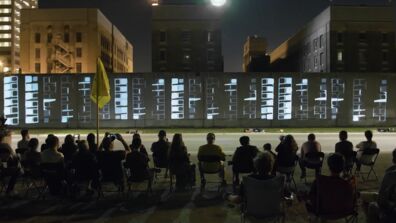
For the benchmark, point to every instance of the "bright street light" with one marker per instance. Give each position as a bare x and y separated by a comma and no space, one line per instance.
218,3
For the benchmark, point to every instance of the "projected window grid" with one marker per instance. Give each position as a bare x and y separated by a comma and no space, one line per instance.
359,91
379,111
177,99
121,98
138,108
158,89
285,93
212,109
267,98
49,97
84,88
66,107
250,103
230,88
337,96
11,100
320,108
195,94
31,100
302,97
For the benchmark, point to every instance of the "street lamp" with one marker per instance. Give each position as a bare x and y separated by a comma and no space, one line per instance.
218,3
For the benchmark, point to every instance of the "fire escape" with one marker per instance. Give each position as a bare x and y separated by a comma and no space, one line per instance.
61,57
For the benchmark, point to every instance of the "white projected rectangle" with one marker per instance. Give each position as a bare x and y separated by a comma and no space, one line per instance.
285,93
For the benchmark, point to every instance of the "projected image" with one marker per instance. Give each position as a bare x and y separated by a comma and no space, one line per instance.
285,92
359,91
84,89
267,98
158,90
194,97
250,103
379,111
11,100
337,96
31,100
177,99
66,107
121,98
49,98
212,109
230,88
138,108
320,108
302,97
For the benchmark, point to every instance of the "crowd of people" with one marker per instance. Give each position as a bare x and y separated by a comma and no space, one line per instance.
83,160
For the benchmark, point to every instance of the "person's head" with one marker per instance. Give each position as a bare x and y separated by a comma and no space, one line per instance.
336,163
343,135
52,142
108,144
48,136
25,134
162,134
244,140
369,135
82,145
394,156
135,136
210,138
136,143
281,138
267,147
6,137
91,138
69,139
311,137
33,144
264,163
177,140
288,140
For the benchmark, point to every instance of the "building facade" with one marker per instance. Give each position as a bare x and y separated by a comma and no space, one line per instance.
186,37
255,57
10,33
70,41
341,39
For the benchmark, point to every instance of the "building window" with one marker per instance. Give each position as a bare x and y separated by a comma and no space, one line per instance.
384,56
315,62
78,67
321,41
186,57
340,56
362,56
321,59
78,37
37,67
340,37
37,38
162,55
211,56
79,52
37,53
385,38
49,38
162,36
362,37
210,36
186,36
66,37
315,44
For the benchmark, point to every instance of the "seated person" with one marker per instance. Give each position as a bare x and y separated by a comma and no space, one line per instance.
340,195
22,145
364,145
85,165
263,164
242,161
93,147
110,159
9,166
268,148
44,145
160,150
68,149
212,151
286,150
138,164
31,159
142,148
344,146
311,146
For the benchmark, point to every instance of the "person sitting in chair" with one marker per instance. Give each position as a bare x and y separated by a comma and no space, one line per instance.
242,161
309,147
23,143
9,166
160,150
364,145
86,165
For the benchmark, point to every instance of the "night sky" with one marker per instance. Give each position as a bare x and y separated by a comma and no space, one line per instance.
276,20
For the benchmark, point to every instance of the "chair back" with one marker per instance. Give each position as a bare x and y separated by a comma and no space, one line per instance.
213,161
336,197
369,156
314,160
263,197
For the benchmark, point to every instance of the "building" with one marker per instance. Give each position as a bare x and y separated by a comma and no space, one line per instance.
341,39
186,36
70,41
255,57
70,3
10,13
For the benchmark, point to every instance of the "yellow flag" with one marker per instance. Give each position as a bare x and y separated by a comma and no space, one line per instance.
100,90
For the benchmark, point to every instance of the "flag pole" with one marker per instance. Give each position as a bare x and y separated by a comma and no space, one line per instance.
97,105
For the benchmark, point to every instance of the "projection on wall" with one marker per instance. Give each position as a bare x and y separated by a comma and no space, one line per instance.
250,102
31,100
177,98
285,92
231,97
359,92
379,111
49,98
84,88
267,98
158,90
11,100
302,99
138,106
320,108
337,96
194,97
121,98
212,109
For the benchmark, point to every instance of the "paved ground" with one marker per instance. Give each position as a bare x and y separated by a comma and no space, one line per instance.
165,206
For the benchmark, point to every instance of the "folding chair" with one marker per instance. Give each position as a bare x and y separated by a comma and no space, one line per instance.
218,168
313,161
368,157
32,178
335,199
54,178
349,161
160,165
263,199
135,179
289,173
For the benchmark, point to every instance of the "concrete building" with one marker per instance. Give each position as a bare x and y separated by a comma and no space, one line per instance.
186,36
70,41
341,39
255,57
10,21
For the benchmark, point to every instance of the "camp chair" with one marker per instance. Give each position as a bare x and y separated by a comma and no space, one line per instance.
135,179
263,199
217,168
289,173
313,161
368,157
54,178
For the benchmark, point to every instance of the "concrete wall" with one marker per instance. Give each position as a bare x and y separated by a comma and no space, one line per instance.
203,100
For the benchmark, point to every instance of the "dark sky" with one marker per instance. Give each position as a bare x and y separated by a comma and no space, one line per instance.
276,20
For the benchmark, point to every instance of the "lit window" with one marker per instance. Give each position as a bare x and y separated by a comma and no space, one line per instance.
5,27
340,56
210,37
5,10
5,19
5,44
5,36
5,2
